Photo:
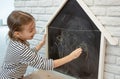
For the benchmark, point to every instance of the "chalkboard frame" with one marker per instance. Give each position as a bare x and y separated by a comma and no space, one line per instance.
104,34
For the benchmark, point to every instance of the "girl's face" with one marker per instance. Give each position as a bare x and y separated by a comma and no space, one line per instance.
28,31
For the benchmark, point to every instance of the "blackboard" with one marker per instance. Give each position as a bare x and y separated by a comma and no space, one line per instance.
70,29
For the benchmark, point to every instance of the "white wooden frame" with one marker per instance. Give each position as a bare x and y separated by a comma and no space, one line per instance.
105,35
102,57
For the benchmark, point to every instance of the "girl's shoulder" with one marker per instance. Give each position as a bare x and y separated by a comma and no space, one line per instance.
17,44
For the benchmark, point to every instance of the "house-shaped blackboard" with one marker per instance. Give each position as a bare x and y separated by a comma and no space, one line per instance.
73,25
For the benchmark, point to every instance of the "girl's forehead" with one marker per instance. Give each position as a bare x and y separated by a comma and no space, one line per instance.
29,25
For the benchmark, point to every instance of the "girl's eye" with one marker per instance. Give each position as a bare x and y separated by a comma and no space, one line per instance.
30,30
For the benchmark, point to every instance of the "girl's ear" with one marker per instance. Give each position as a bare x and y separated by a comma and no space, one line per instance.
17,34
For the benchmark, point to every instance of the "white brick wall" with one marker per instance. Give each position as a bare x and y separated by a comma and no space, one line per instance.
108,75
106,2
113,11
106,11
89,2
108,20
98,10
117,77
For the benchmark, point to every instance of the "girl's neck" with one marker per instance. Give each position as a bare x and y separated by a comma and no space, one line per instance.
22,41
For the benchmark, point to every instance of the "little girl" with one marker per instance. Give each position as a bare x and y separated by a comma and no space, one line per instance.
19,55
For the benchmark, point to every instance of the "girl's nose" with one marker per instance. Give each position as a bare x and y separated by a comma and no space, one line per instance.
35,31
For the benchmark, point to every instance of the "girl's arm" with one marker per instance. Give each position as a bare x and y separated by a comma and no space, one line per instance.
75,54
40,45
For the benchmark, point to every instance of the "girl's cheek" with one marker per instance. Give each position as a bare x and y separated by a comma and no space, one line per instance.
35,31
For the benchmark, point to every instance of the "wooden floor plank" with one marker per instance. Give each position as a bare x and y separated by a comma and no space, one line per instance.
41,74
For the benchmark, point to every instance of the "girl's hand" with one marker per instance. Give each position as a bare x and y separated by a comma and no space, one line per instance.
44,40
38,47
76,53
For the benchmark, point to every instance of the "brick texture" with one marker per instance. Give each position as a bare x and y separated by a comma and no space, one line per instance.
106,11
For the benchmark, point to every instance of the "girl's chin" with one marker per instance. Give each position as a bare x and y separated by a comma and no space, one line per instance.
31,37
